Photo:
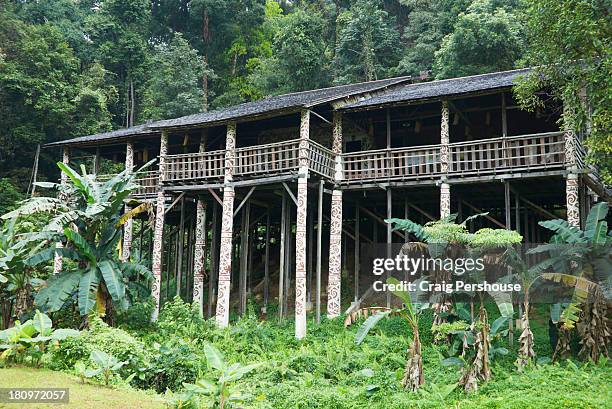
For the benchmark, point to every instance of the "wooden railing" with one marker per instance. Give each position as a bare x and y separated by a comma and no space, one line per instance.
398,163
195,166
273,158
525,152
321,159
147,182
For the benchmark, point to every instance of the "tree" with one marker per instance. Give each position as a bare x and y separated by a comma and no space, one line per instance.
428,23
486,38
172,89
570,43
89,222
299,61
368,44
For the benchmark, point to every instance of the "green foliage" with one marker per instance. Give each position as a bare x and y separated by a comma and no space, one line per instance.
570,44
173,88
89,220
10,196
368,44
104,364
485,38
30,340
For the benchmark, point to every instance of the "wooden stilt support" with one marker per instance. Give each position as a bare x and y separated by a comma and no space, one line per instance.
267,264
199,255
357,250
214,265
282,258
126,246
159,228
389,236
300,227
244,257
227,225
179,254
335,229
58,261
319,252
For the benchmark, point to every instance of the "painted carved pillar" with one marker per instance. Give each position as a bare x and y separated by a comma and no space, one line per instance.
444,161
159,227
57,261
300,228
128,226
227,221
200,246
335,229
571,181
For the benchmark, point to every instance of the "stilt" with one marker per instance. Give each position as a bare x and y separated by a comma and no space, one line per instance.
159,227
199,255
319,251
335,226
310,263
244,257
126,249
214,270
267,264
445,205
227,225
571,197
180,250
300,227
58,261
507,210
389,237
357,249
281,270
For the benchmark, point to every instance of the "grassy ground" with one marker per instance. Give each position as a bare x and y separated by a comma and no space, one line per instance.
81,395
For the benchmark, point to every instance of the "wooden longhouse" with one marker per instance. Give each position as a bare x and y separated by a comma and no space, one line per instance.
274,198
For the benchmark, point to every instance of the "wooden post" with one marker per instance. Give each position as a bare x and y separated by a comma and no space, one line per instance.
389,236
199,255
310,264
267,264
282,267
214,270
517,211
96,164
357,217
244,257
159,226
227,225
179,254
128,225
319,251
571,197
445,200
335,229
58,261
300,227
507,210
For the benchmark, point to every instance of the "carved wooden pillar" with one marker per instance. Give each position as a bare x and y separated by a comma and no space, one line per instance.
335,229
227,221
200,245
57,261
571,181
126,248
158,234
444,162
300,228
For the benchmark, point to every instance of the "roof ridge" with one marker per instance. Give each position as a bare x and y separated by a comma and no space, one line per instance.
468,76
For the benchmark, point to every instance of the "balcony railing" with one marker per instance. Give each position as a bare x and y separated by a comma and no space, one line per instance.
525,152
273,158
147,183
195,166
398,163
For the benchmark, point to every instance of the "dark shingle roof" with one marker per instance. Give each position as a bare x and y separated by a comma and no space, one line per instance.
441,88
107,136
279,103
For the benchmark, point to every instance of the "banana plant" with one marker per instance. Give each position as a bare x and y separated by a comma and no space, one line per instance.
31,338
581,260
413,377
87,216
105,365
221,388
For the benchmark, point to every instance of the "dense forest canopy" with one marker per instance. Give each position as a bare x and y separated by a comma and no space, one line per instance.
75,67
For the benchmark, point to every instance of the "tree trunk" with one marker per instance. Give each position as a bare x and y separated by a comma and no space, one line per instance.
413,372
